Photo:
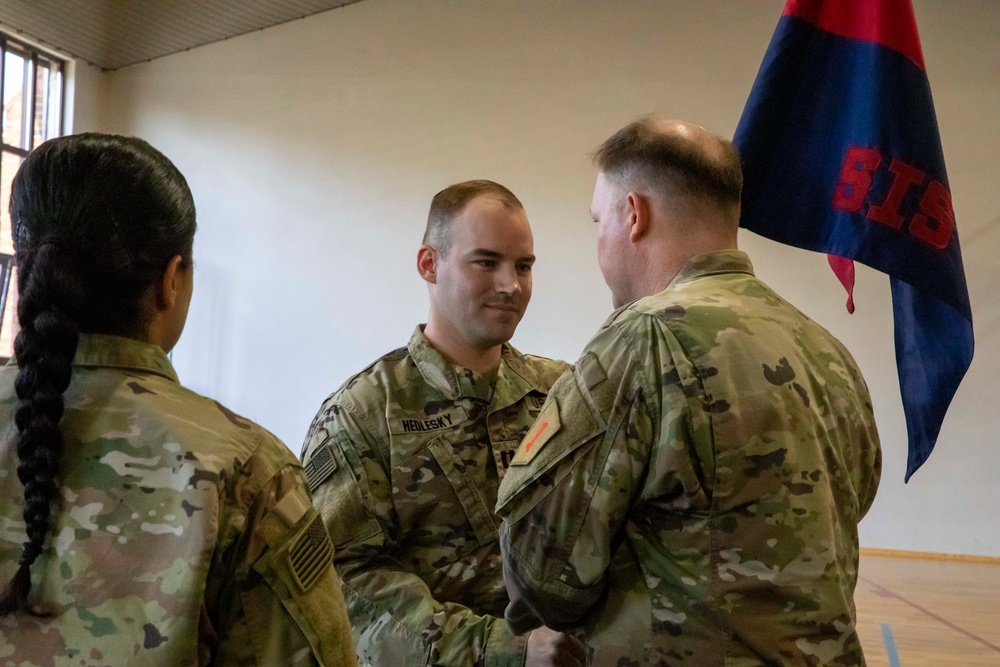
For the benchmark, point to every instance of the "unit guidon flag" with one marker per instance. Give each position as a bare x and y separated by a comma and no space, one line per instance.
841,155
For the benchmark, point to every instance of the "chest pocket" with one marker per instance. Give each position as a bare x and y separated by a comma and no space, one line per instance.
339,487
509,426
466,490
440,494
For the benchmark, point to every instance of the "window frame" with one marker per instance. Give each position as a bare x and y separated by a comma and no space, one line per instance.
33,57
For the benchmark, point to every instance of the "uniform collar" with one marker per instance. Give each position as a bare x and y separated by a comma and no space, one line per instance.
514,379
100,351
722,261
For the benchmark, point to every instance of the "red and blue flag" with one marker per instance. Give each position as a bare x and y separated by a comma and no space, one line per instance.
841,155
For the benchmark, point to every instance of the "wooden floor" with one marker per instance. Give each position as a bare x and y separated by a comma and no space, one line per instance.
921,612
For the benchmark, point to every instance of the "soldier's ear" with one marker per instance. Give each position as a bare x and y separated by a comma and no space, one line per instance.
427,263
637,215
167,289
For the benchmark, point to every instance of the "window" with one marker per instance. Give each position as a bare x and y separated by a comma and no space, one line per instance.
32,85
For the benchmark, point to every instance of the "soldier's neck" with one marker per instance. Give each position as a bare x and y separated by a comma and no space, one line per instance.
485,361
459,353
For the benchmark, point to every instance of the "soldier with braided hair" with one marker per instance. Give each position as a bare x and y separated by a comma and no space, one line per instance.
140,523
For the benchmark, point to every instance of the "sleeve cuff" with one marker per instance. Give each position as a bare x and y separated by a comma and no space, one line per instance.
503,647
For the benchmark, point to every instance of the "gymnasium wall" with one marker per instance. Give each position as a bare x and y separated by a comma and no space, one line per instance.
313,149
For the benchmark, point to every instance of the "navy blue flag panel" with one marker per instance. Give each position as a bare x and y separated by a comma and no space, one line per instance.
841,155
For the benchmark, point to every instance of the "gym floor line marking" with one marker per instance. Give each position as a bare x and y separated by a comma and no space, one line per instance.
941,620
890,645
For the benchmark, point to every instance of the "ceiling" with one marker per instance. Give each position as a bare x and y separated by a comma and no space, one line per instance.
116,33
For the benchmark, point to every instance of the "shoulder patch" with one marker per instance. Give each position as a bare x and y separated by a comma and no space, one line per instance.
546,425
310,554
322,464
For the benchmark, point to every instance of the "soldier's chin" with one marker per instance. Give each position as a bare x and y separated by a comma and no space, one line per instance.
497,334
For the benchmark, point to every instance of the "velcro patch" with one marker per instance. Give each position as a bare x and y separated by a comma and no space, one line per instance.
591,371
420,423
535,402
503,452
546,425
322,464
310,555
292,507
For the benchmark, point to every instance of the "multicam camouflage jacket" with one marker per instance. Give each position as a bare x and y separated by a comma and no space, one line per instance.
184,534
404,461
690,494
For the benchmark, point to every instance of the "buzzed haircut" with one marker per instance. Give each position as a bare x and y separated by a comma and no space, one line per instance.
672,164
449,202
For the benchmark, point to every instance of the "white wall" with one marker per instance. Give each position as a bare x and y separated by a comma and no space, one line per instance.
313,149
85,91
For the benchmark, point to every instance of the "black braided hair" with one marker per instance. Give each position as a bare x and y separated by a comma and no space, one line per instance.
96,220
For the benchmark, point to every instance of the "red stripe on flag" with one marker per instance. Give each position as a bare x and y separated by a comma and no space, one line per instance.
886,22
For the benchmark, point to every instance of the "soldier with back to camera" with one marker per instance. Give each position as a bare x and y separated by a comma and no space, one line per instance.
690,493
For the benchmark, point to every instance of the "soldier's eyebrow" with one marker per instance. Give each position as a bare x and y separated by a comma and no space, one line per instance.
483,252
493,254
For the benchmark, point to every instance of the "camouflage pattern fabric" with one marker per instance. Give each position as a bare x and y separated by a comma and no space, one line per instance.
184,534
405,461
705,465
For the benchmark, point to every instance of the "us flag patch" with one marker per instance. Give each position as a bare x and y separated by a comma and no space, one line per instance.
320,466
310,555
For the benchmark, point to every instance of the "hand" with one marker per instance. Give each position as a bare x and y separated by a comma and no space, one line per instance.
548,648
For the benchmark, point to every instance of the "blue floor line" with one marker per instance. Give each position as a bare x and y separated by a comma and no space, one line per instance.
890,645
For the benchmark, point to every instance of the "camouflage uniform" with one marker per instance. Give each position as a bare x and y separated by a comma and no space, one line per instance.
706,464
404,462
184,534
